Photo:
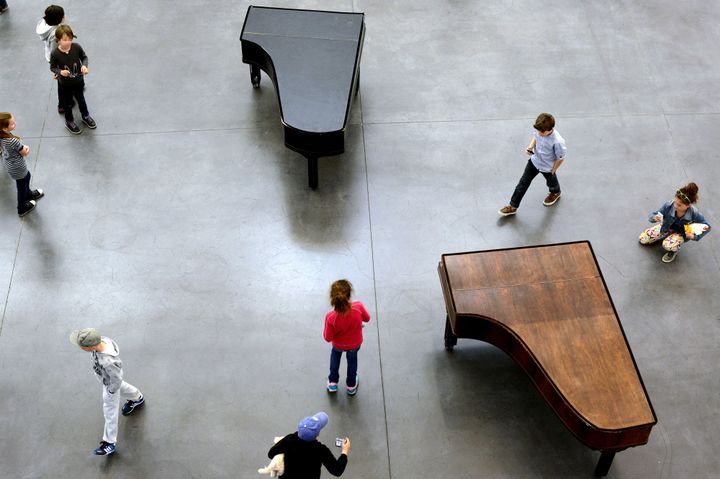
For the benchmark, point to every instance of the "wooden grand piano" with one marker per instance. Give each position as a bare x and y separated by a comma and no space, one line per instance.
313,59
548,307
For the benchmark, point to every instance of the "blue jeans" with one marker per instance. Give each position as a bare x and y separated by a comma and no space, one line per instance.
335,357
528,175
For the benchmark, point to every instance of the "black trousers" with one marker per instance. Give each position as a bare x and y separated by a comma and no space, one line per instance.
67,93
528,175
23,192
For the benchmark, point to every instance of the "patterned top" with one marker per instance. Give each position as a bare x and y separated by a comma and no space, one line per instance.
14,161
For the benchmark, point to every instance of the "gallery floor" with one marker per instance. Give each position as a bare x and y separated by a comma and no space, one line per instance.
184,229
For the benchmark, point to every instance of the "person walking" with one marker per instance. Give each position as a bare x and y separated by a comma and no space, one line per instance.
547,152
108,369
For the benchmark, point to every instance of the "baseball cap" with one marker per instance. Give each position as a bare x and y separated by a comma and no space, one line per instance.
310,427
85,337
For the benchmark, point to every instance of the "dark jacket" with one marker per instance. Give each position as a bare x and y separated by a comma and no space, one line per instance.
71,61
304,458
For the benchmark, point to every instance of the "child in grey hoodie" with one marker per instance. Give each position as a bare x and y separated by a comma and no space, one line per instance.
45,29
108,369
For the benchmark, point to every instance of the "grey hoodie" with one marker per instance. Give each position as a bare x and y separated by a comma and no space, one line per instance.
47,35
108,366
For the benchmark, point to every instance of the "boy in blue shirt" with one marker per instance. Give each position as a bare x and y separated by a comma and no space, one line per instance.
547,152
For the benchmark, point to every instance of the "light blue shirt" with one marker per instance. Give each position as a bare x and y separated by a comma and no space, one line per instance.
548,149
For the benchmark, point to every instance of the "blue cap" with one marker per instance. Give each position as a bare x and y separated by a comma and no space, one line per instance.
310,427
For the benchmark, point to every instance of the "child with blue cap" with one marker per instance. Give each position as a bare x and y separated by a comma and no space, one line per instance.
304,454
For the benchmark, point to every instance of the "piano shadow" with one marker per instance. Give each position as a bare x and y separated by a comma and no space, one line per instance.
481,388
336,211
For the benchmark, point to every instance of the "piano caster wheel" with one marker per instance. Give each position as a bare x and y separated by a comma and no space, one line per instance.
450,338
255,76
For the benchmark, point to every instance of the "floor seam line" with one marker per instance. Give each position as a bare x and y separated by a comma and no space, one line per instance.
377,315
12,277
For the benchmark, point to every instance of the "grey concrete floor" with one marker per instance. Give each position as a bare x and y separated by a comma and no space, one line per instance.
183,229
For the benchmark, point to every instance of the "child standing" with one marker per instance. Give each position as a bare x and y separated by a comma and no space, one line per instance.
108,368
547,152
14,153
69,62
45,29
343,328
678,220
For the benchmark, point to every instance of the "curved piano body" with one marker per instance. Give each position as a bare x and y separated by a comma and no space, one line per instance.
549,309
313,60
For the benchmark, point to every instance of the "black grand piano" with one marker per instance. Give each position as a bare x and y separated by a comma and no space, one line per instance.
313,59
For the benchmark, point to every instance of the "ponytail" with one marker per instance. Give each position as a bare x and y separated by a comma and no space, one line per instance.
340,292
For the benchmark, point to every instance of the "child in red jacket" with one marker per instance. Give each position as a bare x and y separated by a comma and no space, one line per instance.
343,328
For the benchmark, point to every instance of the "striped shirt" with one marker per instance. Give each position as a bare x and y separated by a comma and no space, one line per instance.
14,161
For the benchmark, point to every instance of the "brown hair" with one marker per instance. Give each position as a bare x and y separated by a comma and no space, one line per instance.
64,30
4,123
340,292
688,194
544,122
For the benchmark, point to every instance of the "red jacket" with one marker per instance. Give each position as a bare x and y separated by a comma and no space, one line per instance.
344,331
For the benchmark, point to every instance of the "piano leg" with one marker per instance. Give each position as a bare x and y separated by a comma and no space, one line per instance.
313,172
357,83
603,465
450,338
255,76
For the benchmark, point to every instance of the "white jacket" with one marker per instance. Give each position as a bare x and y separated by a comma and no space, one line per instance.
47,35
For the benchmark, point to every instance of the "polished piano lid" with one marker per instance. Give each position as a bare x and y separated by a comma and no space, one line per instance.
554,301
314,55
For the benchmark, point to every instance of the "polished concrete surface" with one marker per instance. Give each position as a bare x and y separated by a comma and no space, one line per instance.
183,229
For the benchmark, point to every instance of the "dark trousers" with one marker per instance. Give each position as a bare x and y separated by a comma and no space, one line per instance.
528,175
23,190
67,93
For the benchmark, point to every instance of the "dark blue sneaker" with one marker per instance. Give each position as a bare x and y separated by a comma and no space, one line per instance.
105,449
131,405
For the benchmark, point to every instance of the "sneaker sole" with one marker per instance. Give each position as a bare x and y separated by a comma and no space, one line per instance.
73,132
91,127
668,260
507,214
105,454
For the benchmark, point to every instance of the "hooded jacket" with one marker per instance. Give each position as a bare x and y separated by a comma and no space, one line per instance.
108,366
47,35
